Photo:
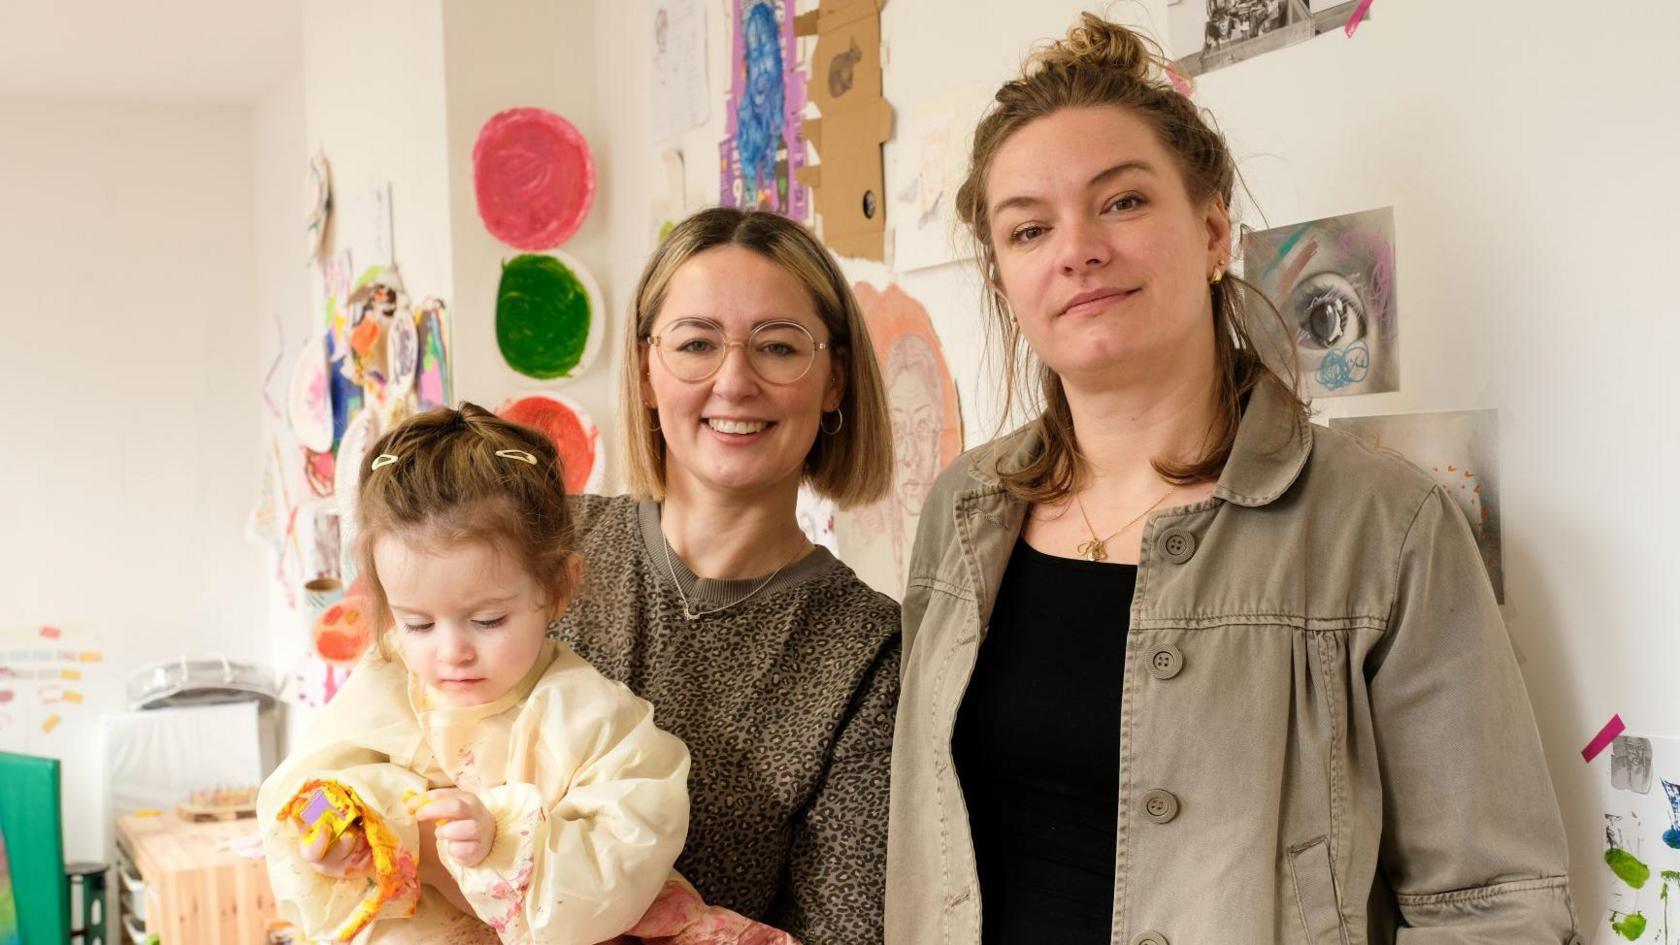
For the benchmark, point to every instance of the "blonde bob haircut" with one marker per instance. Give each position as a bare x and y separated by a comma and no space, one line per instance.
854,465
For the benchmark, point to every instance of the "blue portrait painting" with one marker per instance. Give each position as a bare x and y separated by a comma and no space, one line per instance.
760,113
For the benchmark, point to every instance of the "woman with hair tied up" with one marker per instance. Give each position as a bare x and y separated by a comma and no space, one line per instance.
1180,667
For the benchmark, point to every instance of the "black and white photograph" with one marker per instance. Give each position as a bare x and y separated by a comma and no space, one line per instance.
1210,34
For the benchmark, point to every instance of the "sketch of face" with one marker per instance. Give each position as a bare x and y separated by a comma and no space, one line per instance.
913,397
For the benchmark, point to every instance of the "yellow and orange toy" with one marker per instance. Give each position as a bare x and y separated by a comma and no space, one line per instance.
328,807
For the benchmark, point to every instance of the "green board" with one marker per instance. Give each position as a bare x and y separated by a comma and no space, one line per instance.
30,817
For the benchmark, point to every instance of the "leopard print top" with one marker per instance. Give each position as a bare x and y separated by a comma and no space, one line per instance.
786,702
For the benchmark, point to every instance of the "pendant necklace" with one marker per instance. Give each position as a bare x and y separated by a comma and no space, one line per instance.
1097,548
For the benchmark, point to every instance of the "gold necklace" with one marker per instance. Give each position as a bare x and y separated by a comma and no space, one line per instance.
1097,548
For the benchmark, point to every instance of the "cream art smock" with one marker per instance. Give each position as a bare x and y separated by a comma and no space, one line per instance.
589,800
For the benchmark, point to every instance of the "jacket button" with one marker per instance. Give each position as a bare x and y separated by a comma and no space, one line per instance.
1177,545
1165,661
1160,806
1149,937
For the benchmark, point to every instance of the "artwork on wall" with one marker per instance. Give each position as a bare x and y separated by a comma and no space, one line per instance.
670,198
816,516
929,159
534,177
549,316
847,183
309,405
1460,449
1333,281
680,94
1640,794
317,204
48,675
433,384
374,309
574,435
926,430
1205,35
763,147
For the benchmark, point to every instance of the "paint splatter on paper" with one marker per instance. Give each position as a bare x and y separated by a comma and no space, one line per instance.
548,316
573,432
534,178
1640,793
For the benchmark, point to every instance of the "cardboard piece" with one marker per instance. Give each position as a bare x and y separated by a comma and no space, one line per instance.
845,85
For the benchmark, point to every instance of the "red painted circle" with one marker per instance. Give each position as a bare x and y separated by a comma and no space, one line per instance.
534,177
554,419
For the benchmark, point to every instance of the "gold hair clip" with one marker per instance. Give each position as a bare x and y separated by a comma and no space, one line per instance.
520,455
382,460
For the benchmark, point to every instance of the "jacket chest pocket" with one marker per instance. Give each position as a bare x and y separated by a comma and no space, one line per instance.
1315,893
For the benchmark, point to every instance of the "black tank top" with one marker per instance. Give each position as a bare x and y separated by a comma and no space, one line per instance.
1037,749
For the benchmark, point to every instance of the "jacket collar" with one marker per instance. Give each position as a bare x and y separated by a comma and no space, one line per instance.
1270,450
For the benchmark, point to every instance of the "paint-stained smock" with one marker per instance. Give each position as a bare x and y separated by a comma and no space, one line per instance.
1324,736
589,799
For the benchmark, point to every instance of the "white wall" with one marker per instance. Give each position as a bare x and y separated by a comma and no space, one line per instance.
279,154
130,439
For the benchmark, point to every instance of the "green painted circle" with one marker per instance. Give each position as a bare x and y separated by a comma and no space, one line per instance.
542,316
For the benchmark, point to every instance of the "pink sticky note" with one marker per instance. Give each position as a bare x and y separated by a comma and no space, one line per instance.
1358,15
1605,736
51,633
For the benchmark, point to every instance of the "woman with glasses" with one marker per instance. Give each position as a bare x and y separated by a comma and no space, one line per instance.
748,371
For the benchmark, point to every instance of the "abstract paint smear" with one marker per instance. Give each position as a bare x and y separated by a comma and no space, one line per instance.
545,310
573,433
534,177
763,147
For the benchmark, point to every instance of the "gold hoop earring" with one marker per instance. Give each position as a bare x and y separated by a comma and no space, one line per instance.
837,424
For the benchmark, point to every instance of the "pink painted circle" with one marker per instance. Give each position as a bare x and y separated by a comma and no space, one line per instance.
534,177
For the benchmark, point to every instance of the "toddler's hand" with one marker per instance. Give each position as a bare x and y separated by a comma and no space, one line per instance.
347,856
467,829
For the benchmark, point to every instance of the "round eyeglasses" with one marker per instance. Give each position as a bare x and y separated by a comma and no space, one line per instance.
693,349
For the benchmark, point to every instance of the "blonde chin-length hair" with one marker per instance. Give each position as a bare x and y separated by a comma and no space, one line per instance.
852,466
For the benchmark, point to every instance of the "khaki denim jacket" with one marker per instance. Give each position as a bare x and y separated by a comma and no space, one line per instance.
1324,736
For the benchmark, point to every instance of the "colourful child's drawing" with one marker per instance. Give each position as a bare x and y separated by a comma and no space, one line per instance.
1640,793
433,384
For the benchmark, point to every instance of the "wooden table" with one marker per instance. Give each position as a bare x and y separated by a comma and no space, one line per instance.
198,892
